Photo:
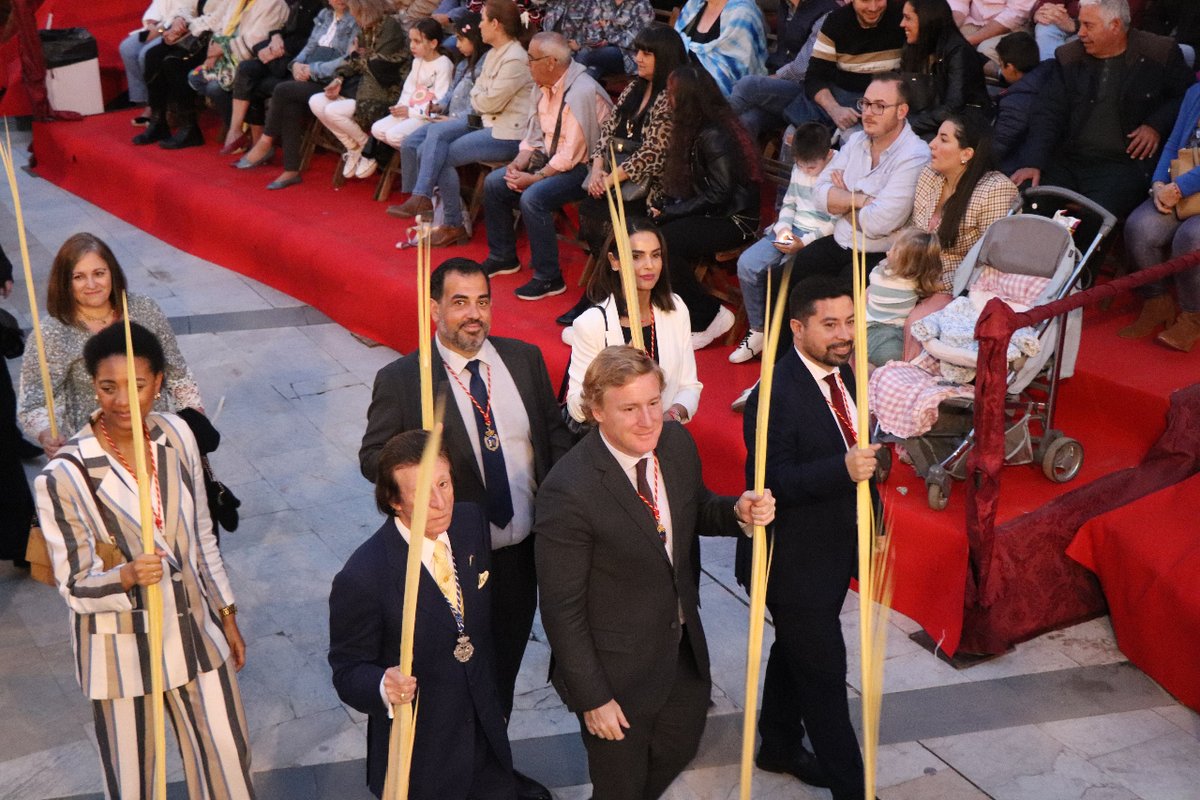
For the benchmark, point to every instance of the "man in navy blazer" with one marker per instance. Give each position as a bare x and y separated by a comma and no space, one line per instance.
461,747
812,468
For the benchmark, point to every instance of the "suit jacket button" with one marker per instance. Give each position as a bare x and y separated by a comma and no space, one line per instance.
675,625
177,577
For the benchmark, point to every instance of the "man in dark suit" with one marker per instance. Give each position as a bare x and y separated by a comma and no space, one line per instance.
616,524
812,467
503,432
461,745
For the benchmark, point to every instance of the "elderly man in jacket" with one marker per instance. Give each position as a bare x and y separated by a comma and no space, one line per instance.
550,167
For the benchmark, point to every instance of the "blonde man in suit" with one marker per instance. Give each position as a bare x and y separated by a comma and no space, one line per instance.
87,500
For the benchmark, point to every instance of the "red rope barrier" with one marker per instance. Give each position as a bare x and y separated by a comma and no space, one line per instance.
995,327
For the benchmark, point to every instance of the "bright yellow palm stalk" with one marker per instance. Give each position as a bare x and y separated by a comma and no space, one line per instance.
153,591
402,737
616,212
424,343
874,573
10,173
760,559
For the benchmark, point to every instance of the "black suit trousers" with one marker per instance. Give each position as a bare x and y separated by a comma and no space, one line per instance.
514,602
659,743
806,687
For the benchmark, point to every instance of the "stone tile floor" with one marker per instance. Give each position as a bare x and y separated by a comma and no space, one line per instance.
1061,717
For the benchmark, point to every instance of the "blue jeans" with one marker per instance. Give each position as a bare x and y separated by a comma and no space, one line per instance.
1152,238
760,101
222,99
410,157
448,146
133,53
804,110
601,61
1049,38
538,204
752,268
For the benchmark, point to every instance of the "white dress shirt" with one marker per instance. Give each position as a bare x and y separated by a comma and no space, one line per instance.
654,478
512,425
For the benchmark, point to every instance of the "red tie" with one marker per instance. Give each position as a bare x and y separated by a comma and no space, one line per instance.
837,402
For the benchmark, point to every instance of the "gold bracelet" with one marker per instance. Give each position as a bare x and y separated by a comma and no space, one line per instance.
228,611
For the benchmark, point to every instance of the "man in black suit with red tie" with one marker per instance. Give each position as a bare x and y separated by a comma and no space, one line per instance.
616,525
813,465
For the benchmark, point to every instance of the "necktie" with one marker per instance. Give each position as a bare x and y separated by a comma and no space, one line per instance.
443,573
646,493
495,476
837,402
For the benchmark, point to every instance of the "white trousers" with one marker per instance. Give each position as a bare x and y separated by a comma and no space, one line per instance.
393,130
338,116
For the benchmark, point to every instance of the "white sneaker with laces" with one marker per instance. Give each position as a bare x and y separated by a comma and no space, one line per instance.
366,168
720,325
750,347
350,159
740,403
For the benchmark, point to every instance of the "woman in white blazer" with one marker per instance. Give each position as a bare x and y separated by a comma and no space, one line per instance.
666,325
87,500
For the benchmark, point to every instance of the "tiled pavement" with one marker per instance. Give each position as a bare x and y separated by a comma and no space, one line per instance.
1061,717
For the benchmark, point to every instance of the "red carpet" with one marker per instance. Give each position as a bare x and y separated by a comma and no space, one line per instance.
335,250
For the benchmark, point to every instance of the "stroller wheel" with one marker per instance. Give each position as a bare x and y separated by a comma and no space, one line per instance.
938,497
1062,459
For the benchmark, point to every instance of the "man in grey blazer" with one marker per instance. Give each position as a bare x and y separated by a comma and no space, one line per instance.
503,432
616,525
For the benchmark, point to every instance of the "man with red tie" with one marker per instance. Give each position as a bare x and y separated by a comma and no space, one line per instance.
813,464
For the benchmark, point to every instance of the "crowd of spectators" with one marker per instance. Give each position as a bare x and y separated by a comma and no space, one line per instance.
930,113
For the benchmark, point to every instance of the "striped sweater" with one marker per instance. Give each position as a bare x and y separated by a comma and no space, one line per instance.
799,214
846,54
890,299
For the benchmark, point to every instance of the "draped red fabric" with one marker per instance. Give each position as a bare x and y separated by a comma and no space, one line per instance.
994,329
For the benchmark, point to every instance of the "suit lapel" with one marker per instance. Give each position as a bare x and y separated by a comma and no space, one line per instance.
457,435
170,481
430,602
614,479
815,399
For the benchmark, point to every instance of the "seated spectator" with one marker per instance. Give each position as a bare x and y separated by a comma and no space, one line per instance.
1055,22
856,42
601,32
133,48
455,104
168,63
711,193
911,271
256,78
761,101
875,175
1110,99
410,12
501,100
799,224
944,73
795,22
958,196
727,37
983,22
244,31
427,81
549,169
666,328
334,32
1155,234
1179,19
1025,75
371,76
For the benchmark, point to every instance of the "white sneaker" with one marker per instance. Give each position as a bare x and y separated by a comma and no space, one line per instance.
568,336
366,168
751,346
350,160
740,403
720,325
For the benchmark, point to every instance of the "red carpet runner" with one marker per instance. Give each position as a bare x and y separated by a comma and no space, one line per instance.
335,250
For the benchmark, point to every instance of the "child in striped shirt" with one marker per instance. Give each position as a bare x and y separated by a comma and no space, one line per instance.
799,224
911,272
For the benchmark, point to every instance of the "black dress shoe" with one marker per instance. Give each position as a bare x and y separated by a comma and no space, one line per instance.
187,136
156,131
29,451
801,763
529,789
568,317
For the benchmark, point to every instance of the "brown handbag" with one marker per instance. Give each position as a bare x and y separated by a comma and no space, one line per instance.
41,569
1188,158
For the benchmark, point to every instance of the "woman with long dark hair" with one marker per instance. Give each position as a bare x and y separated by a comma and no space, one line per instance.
666,326
711,202
958,196
943,71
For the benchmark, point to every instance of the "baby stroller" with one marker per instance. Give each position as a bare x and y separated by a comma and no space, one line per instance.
930,412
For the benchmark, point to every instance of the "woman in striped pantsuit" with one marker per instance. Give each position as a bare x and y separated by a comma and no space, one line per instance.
87,499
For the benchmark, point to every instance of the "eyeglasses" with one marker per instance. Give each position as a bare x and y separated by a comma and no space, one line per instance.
540,58
873,106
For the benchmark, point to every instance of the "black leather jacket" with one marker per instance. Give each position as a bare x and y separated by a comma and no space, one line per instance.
720,187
